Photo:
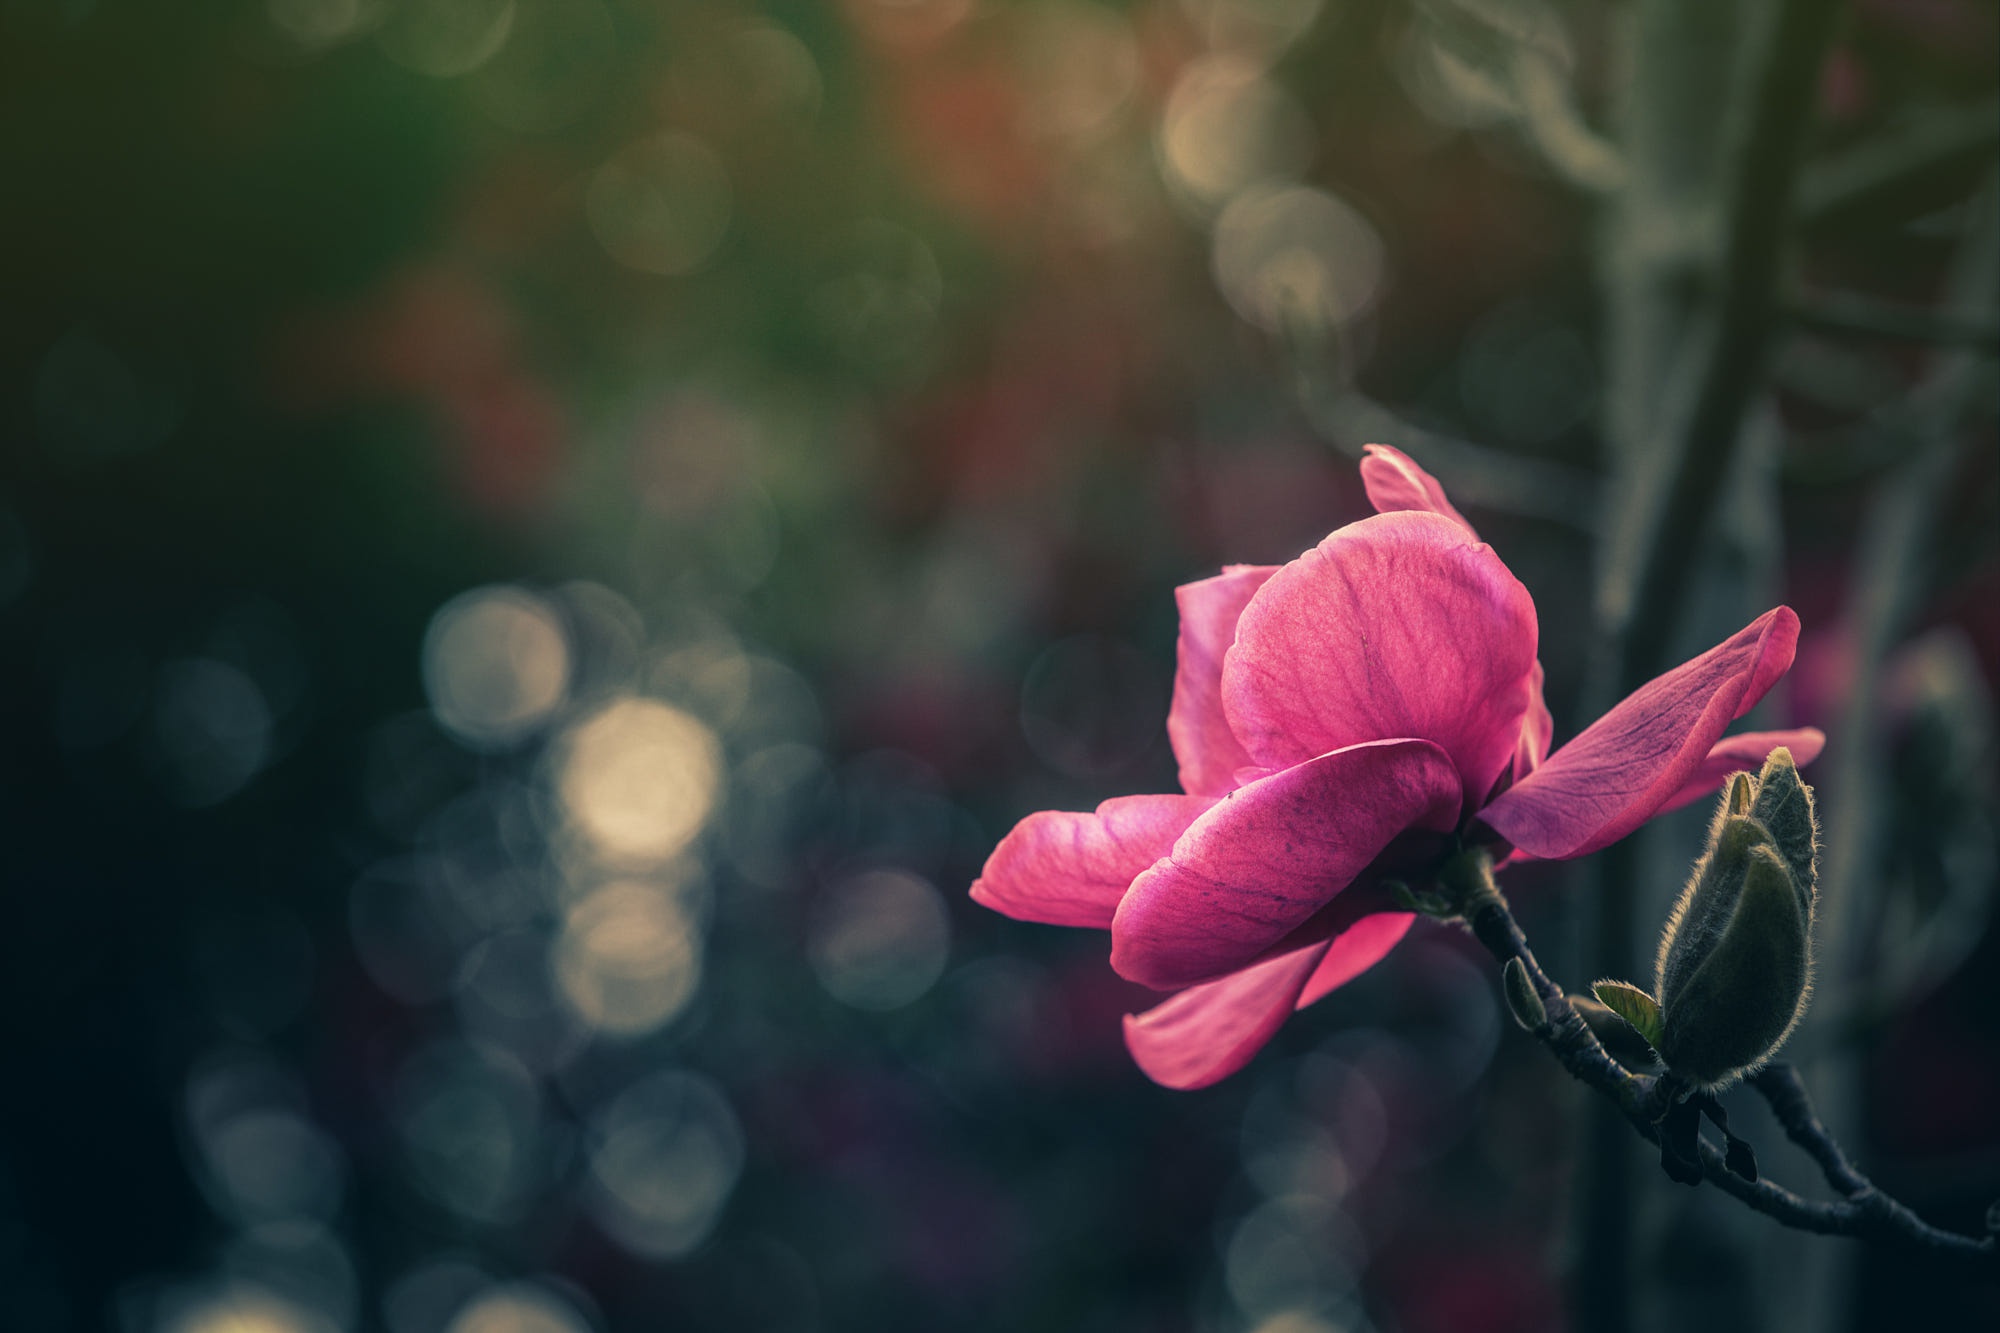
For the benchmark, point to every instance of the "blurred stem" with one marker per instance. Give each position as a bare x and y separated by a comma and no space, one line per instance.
1480,476
1854,315
1892,569
1551,122
1876,168
1890,573
1690,264
1716,367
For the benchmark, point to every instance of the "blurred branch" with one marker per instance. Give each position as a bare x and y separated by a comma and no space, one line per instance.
1863,1211
1481,476
1721,367
1890,573
1526,55
1548,116
1850,313
1889,162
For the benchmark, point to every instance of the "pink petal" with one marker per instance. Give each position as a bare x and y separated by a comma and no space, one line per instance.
1208,1032
1538,729
1355,950
1068,868
1735,754
1265,858
1208,751
1629,763
1399,625
1394,483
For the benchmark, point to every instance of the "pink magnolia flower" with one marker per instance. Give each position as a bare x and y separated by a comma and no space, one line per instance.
1347,719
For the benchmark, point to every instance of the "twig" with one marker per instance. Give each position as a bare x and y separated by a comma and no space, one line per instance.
1527,53
1640,1096
1889,162
1482,477
1549,119
1850,313
1779,1085
1870,1216
1863,1212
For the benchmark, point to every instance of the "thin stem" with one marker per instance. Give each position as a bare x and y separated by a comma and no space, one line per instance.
1780,1087
1863,1212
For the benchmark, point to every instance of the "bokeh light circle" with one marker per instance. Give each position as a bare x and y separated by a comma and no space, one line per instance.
496,665
519,1307
213,725
446,38
639,780
1292,258
660,206
628,959
1227,126
246,1308
664,1158
880,939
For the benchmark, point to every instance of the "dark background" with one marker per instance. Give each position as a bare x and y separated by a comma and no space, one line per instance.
866,422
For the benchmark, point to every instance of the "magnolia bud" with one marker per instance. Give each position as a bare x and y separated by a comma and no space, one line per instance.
1736,961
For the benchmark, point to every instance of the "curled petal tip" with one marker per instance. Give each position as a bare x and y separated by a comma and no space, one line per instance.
1395,482
1644,755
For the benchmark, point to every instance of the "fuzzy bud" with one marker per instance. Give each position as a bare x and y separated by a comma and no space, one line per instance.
1735,962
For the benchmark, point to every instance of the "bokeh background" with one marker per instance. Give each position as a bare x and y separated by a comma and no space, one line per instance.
542,542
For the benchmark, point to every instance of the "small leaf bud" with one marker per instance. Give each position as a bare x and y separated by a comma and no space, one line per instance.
1633,1005
1612,1032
